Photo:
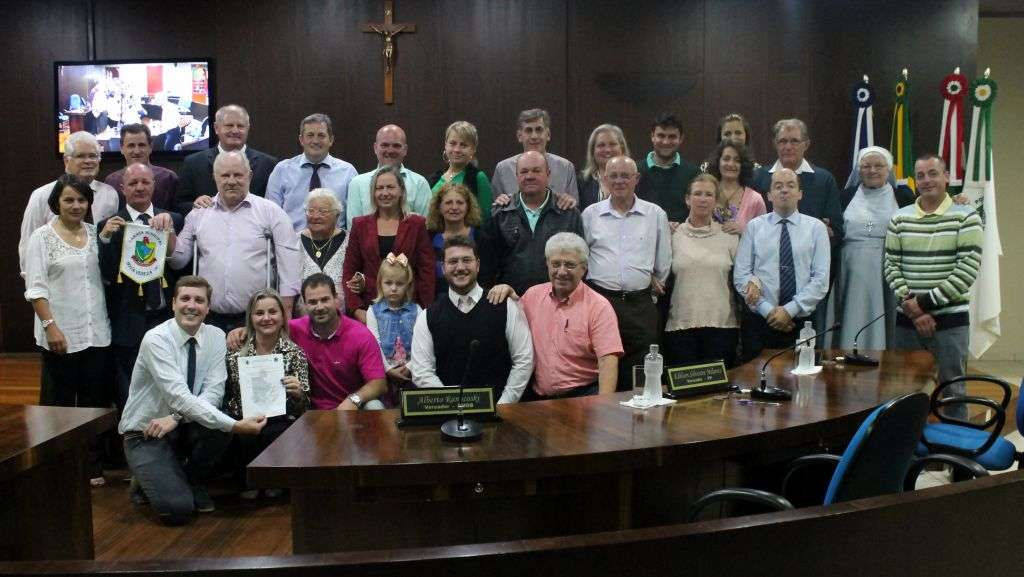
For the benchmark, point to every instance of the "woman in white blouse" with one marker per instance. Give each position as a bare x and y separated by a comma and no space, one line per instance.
62,279
702,324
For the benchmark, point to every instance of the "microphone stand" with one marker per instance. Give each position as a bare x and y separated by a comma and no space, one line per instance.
461,429
855,358
766,393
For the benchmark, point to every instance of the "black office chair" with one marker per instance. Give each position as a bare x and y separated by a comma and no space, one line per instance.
876,461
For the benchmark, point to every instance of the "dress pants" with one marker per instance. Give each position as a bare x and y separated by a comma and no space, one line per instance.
949,347
757,335
81,379
168,468
702,344
637,315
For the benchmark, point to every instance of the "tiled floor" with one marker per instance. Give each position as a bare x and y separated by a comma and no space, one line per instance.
1010,371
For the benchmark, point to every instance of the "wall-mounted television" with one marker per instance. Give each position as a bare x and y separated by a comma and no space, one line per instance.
174,97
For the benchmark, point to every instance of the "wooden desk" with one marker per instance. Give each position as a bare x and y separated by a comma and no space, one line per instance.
557,467
45,497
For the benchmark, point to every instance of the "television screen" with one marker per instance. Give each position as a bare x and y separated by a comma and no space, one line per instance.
173,97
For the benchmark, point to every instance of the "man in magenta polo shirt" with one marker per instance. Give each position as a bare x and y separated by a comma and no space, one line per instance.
346,370
576,344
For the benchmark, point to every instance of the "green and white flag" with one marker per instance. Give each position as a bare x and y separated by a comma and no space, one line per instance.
980,188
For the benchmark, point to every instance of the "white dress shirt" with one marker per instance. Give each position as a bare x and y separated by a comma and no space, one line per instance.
69,279
627,249
160,380
423,364
804,167
38,213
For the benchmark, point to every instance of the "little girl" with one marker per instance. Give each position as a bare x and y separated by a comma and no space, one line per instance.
391,318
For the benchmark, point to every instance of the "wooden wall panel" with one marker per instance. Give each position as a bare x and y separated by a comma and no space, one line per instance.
585,61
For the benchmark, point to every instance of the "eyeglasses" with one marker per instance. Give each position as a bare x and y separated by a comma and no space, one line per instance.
789,141
566,264
319,212
86,156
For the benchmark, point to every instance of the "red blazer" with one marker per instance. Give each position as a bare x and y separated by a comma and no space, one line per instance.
363,255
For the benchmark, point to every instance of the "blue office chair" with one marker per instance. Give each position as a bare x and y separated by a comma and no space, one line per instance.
875,462
980,442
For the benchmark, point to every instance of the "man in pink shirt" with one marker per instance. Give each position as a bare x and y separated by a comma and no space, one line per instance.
576,344
346,370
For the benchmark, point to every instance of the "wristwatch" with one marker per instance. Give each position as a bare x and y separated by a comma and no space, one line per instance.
46,323
356,400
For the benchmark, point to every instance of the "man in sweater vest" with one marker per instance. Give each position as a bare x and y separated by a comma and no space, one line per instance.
932,256
443,333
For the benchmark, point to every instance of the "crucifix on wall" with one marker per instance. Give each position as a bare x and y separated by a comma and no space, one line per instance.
388,30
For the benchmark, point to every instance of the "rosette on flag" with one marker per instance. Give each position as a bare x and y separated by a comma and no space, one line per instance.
951,137
980,187
863,125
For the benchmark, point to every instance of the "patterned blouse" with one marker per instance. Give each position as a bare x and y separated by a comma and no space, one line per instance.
294,365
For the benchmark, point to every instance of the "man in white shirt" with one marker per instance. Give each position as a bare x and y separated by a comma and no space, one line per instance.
442,349
173,431
630,258
81,159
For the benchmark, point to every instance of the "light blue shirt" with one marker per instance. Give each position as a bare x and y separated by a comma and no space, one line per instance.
533,216
417,195
758,256
627,249
160,385
288,185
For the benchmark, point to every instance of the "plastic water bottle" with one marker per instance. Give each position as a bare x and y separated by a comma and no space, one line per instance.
807,333
653,366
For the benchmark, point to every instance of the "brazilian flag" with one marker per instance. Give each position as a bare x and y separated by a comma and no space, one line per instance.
901,142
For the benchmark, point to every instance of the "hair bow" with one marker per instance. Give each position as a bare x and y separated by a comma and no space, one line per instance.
399,260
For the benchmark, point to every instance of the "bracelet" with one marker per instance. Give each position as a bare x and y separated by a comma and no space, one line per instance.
46,324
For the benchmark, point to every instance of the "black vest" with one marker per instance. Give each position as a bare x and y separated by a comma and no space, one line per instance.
452,331
470,180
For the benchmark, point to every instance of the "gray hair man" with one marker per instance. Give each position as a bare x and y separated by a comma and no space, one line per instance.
231,125
81,159
576,343
533,131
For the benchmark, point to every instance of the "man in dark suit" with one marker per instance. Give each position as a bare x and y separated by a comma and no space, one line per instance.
231,124
134,309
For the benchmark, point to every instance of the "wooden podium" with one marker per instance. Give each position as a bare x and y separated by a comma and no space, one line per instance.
558,467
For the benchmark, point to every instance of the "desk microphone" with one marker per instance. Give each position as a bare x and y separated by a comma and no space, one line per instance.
863,360
461,429
767,393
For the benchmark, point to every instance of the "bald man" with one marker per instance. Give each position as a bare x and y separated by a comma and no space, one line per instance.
134,309
197,188
781,269
390,149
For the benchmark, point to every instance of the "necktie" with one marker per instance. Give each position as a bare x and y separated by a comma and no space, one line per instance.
150,290
787,277
191,364
465,304
314,181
